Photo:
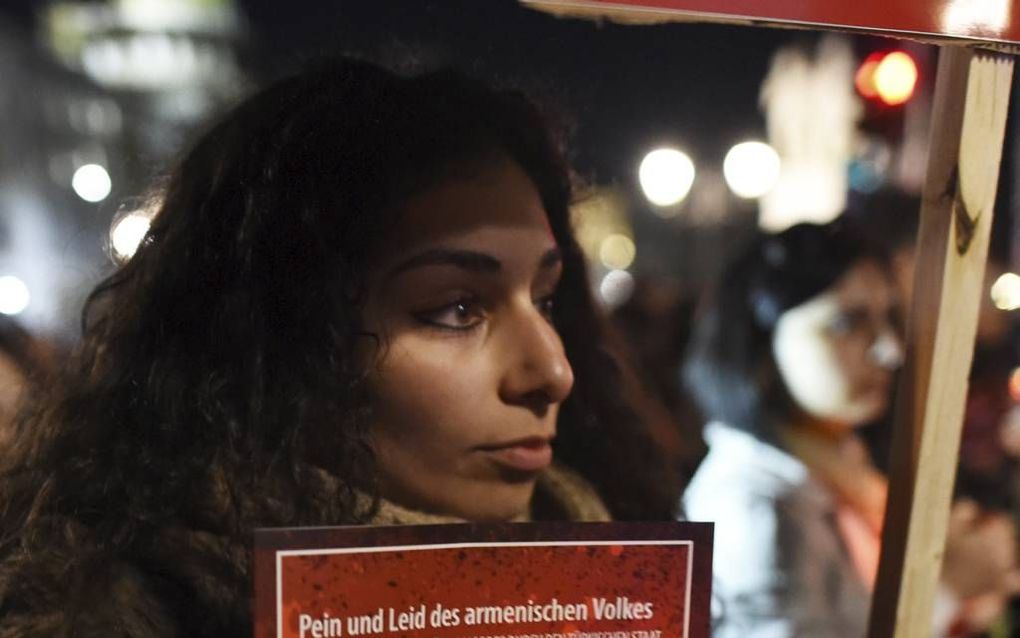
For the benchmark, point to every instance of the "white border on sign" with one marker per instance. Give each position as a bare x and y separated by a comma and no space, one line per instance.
280,554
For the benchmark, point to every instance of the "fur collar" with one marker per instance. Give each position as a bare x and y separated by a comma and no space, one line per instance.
560,494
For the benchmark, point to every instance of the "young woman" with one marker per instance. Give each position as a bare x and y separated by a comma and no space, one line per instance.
797,350
359,302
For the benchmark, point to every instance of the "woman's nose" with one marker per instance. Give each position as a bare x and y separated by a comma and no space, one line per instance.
887,350
537,373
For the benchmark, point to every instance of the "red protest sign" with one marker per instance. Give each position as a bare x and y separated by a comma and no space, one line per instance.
976,20
537,580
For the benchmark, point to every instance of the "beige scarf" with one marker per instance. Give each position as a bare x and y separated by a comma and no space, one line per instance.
572,495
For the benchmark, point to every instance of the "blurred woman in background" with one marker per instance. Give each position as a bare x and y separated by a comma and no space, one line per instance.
360,302
797,349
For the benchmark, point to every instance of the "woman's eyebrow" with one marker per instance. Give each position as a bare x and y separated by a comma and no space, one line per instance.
465,259
552,257
470,260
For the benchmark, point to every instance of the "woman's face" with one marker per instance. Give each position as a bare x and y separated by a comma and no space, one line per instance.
471,372
837,351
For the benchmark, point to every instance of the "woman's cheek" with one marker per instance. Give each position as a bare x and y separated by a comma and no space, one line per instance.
813,377
810,365
429,390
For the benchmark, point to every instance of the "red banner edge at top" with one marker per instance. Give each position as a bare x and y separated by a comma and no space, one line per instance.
655,13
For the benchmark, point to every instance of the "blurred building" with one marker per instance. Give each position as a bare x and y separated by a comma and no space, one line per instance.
95,102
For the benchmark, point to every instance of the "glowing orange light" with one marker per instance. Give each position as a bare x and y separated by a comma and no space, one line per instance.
1014,385
889,77
865,78
895,78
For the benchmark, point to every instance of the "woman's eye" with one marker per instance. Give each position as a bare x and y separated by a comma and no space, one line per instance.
545,306
896,320
459,315
847,322
839,325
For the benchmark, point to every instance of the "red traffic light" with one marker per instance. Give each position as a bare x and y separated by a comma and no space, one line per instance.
889,77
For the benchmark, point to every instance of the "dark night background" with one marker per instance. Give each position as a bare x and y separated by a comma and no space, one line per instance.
623,90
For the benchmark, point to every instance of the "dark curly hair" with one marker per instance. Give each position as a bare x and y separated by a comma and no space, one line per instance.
216,382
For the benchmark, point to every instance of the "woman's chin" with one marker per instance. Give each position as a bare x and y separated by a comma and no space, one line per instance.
481,501
504,503
872,409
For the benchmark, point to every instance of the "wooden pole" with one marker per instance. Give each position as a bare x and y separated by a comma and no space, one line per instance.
968,123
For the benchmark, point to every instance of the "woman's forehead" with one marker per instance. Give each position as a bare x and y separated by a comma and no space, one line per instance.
865,281
495,205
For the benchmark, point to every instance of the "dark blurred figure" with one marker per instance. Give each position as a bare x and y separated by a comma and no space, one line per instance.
986,468
796,352
25,362
988,472
656,322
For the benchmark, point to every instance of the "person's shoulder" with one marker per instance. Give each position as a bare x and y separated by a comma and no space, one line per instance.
735,501
743,470
80,593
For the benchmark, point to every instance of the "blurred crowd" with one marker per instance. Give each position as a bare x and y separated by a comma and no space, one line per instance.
786,372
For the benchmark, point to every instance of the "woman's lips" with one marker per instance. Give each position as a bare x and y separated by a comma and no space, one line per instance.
526,455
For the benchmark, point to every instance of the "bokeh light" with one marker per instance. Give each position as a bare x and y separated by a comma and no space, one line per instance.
14,296
616,287
1014,385
127,233
91,182
751,169
987,18
864,79
617,252
666,176
895,78
1006,292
